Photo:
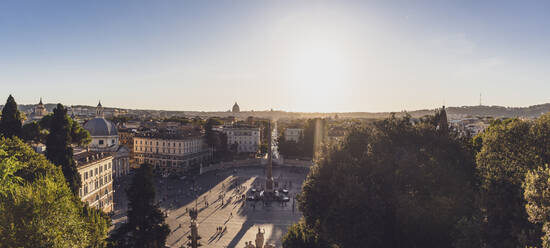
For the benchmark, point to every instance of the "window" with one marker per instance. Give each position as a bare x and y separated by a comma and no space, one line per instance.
109,165
100,169
112,141
85,175
96,184
105,167
101,142
96,171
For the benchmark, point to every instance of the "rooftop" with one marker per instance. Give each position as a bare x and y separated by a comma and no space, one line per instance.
86,157
178,136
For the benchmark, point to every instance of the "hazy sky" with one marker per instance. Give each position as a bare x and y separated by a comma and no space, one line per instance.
289,55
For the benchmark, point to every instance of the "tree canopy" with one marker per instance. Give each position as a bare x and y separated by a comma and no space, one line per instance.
58,146
38,208
10,121
391,184
145,226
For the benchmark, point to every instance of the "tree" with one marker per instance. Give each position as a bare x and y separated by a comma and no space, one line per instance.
10,121
145,226
212,137
32,132
79,136
390,184
58,147
299,235
38,209
537,196
508,152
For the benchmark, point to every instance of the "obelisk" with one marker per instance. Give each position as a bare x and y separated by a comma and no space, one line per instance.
268,171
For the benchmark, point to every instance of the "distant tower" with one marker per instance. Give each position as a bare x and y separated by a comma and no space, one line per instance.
480,100
236,108
99,110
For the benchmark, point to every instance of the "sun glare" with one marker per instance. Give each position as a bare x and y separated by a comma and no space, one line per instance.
318,71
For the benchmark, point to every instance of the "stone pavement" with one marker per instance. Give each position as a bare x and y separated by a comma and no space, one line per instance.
240,218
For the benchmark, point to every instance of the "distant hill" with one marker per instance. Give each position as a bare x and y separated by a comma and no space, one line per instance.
452,112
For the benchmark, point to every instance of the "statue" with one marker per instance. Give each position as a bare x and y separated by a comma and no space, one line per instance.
260,238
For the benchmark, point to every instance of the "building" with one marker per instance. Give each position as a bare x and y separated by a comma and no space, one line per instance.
246,139
95,169
293,134
104,133
38,112
171,153
121,162
236,108
105,138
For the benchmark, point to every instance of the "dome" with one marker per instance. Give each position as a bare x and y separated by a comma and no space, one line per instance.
100,127
236,108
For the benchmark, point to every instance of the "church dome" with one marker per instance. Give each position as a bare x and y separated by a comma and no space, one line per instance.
236,108
100,127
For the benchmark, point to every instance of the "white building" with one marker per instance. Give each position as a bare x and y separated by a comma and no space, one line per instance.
95,169
171,153
293,134
246,138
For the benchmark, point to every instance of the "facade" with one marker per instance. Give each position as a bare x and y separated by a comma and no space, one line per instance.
121,162
293,134
126,138
95,169
173,153
236,108
247,139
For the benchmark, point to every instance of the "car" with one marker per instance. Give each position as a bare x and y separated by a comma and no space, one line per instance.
285,199
253,190
285,191
250,198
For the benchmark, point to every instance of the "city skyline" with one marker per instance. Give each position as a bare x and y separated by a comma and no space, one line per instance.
291,56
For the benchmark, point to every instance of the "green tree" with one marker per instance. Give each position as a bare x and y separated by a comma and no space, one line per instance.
32,132
10,121
537,196
145,226
58,147
391,184
212,137
299,235
507,153
38,209
79,136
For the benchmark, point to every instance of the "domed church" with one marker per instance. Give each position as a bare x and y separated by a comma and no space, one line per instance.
105,138
236,108
104,133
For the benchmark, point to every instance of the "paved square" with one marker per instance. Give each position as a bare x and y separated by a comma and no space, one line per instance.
239,218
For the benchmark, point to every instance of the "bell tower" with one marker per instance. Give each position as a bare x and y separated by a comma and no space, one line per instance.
99,110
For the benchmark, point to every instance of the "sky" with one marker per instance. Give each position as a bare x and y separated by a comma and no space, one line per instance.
304,56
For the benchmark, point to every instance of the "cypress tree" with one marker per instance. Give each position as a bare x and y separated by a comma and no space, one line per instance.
58,147
10,122
145,226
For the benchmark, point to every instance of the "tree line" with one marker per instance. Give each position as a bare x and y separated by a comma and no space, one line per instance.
399,183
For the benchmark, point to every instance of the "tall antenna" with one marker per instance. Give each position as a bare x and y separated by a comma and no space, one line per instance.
480,100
